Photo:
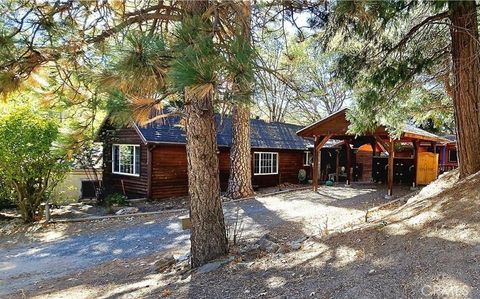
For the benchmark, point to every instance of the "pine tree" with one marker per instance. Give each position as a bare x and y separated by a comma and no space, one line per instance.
391,47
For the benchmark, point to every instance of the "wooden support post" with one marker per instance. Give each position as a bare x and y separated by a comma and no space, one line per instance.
315,165
391,157
349,162
416,146
319,143
337,165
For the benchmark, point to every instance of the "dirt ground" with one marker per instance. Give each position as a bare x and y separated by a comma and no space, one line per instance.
429,247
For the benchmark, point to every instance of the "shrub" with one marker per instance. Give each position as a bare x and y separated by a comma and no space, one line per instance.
29,163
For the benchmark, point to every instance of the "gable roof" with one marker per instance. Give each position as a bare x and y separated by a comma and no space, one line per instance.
263,135
337,125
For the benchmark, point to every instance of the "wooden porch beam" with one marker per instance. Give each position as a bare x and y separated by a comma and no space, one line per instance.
337,165
391,157
319,143
349,162
382,143
416,146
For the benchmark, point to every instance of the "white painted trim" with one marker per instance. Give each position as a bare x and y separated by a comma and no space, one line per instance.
310,154
270,173
134,159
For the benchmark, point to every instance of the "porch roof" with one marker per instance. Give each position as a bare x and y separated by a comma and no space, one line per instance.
336,125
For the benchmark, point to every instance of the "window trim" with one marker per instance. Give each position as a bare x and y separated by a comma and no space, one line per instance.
456,154
134,159
307,154
270,173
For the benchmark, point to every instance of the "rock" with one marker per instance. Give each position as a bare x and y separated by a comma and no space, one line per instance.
267,245
295,246
214,265
127,210
164,262
184,257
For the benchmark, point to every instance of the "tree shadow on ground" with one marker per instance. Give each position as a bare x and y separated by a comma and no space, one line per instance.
406,255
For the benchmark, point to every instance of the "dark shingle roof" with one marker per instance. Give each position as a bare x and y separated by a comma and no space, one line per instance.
263,134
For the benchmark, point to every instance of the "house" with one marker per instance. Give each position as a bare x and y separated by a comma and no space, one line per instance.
448,154
151,161
374,156
83,179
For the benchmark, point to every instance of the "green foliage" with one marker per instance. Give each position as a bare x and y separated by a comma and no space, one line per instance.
7,196
239,66
396,70
28,162
196,60
116,199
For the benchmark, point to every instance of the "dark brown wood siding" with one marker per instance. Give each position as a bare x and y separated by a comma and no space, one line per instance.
289,163
170,177
169,171
132,186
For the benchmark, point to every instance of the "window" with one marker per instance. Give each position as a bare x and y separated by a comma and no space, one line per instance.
307,159
452,156
265,163
126,159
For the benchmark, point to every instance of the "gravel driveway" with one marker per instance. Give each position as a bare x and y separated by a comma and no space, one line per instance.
302,212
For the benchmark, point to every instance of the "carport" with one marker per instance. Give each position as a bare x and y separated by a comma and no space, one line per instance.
335,126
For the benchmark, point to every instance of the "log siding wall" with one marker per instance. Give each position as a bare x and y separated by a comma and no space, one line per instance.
134,186
168,176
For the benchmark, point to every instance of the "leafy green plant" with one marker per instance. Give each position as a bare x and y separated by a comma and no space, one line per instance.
29,162
116,199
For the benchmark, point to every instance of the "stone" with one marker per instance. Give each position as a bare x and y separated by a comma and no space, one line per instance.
164,262
127,210
185,222
266,245
295,246
184,257
214,265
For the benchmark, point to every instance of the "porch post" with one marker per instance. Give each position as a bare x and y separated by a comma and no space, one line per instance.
349,162
416,145
391,157
337,165
319,143
315,165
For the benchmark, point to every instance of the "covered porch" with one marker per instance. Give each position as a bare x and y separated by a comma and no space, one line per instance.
375,156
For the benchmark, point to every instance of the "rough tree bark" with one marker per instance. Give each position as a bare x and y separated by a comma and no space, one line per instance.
466,94
240,179
208,236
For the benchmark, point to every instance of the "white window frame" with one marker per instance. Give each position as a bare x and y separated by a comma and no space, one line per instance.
308,156
136,147
260,163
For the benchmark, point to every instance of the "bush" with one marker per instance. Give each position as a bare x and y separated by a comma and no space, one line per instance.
114,199
6,196
29,163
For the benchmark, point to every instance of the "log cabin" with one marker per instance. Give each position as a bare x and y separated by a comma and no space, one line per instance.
151,161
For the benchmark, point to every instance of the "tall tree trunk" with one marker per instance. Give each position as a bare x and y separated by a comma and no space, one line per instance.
240,179
466,95
208,236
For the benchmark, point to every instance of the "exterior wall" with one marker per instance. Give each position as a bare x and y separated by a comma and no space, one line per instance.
132,186
169,171
170,177
70,189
